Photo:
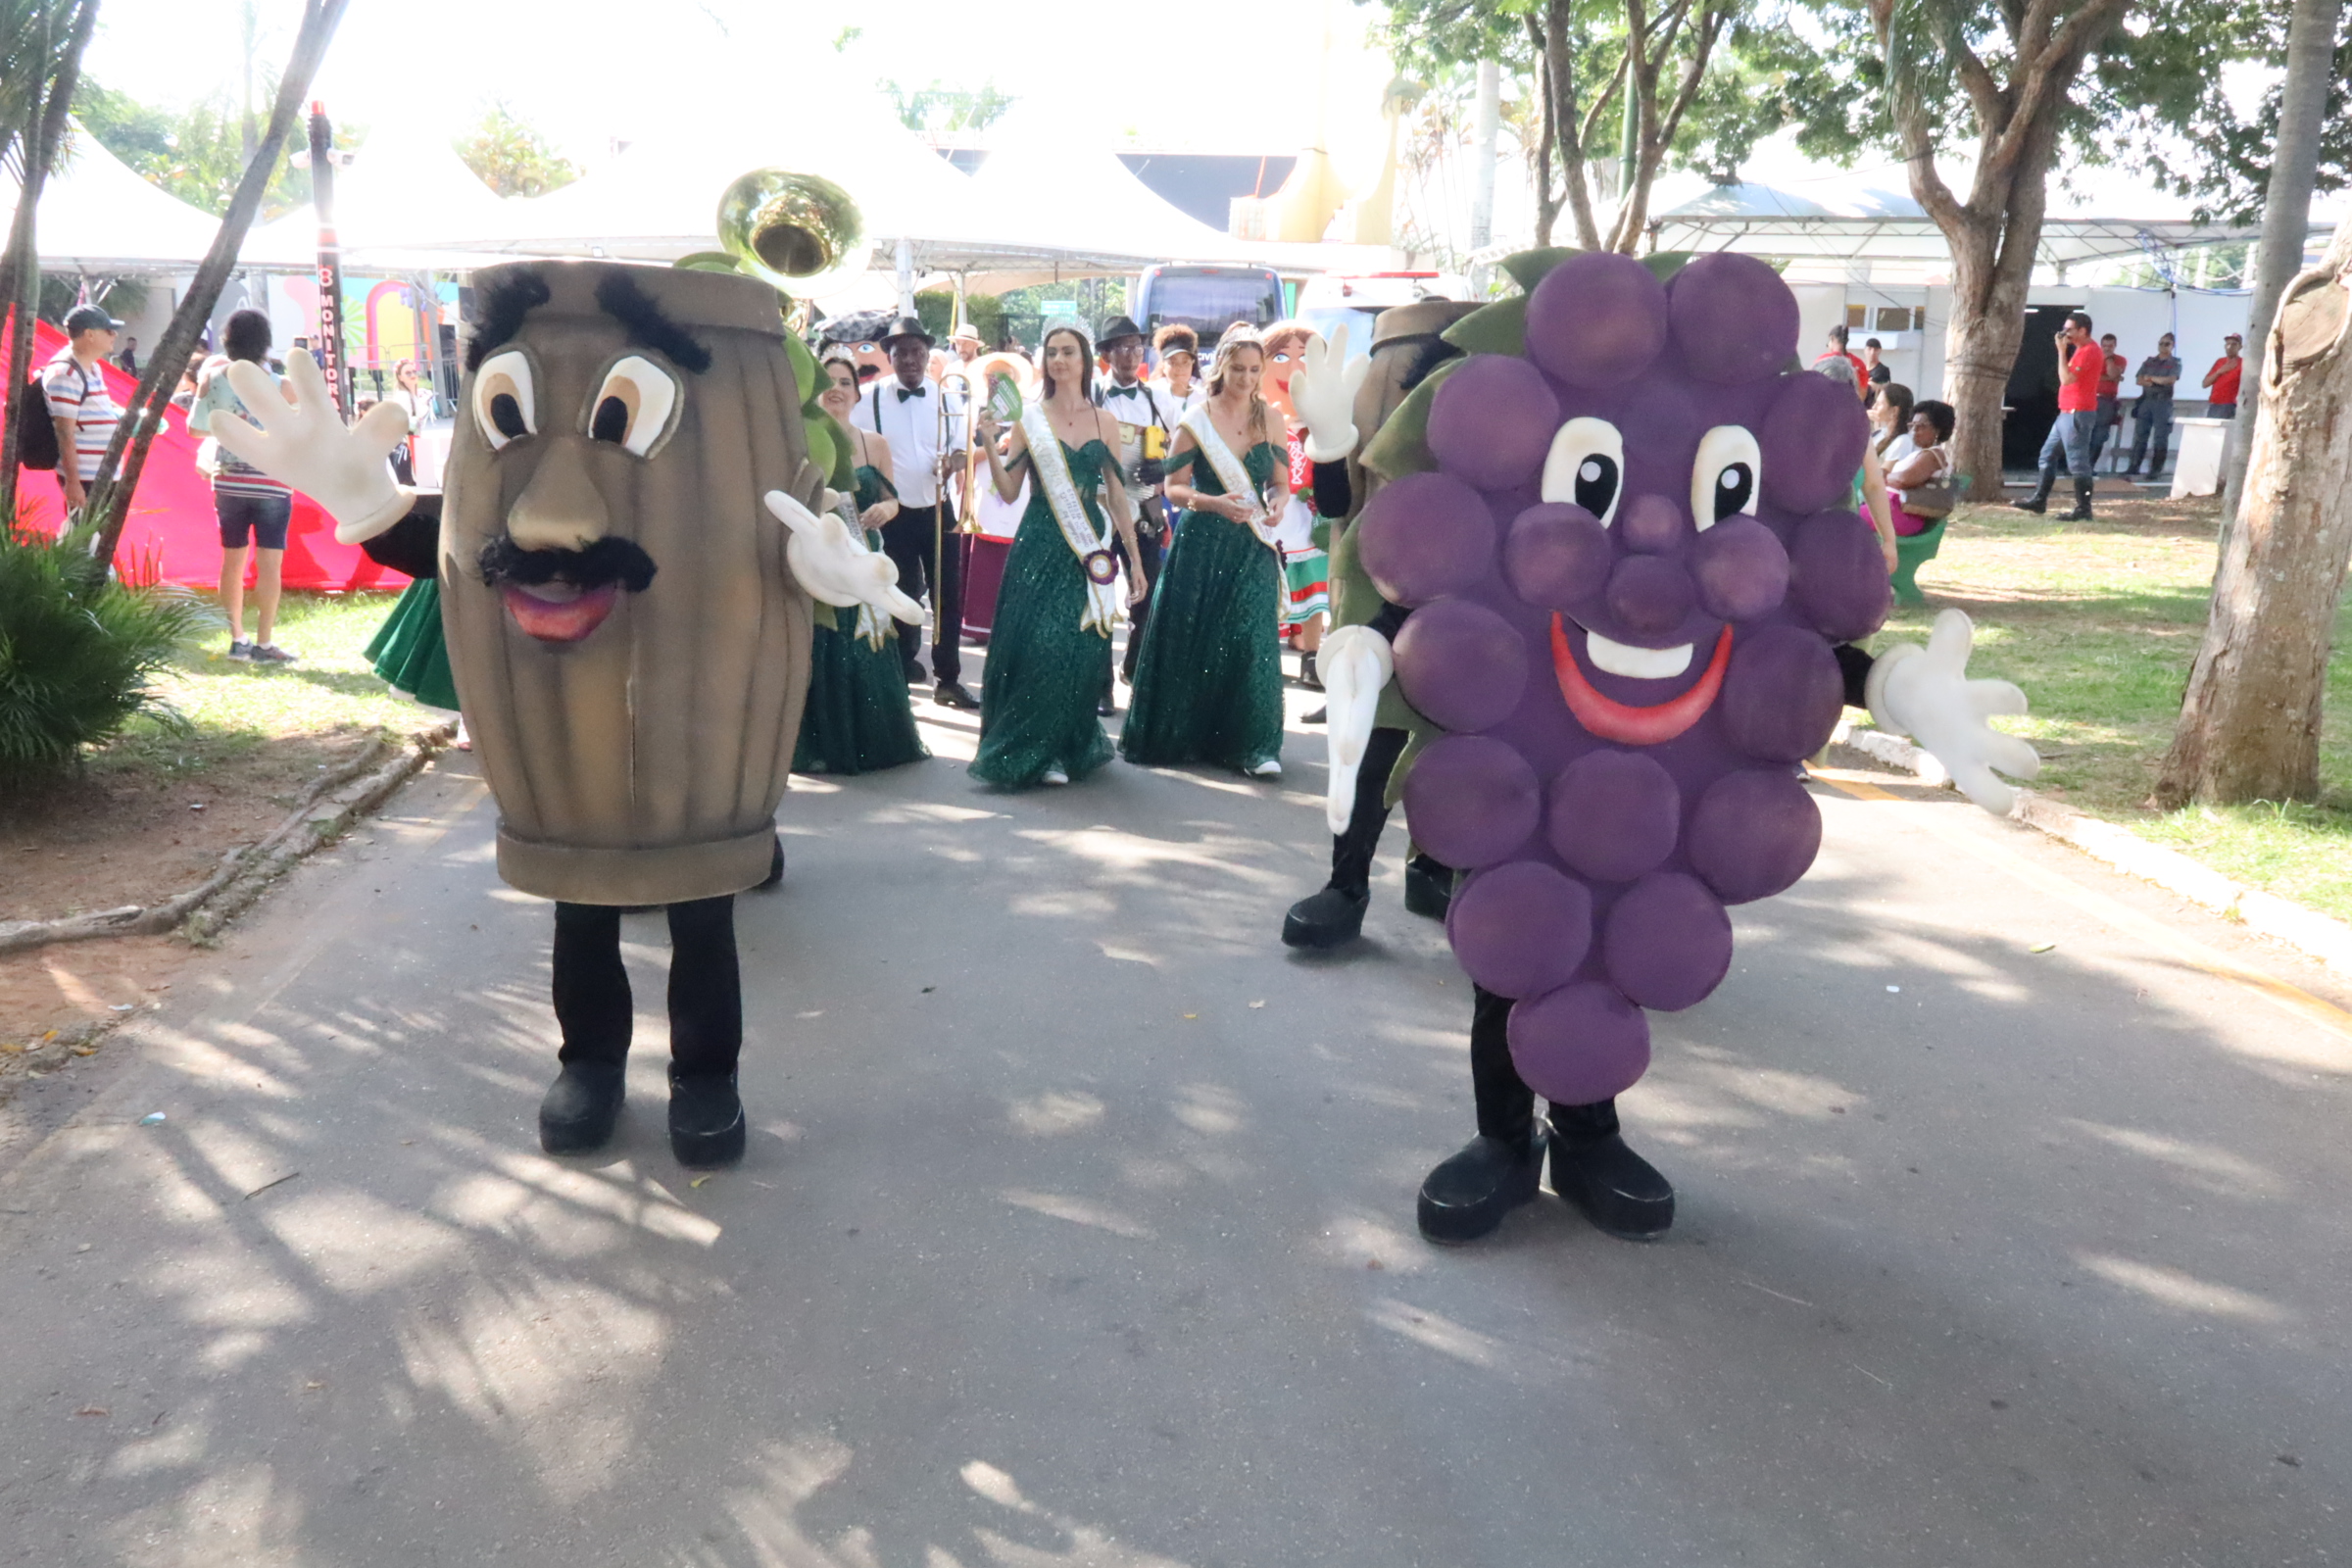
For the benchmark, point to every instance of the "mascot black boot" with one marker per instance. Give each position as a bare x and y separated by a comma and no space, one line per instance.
1468,1195
593,1008
1610,1184
1427,887
1470,1192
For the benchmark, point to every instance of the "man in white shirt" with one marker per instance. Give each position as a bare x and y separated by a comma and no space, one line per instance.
1147,418
922,540
80,402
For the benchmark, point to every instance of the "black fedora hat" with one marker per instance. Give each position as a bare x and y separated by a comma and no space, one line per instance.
907,326
1115,327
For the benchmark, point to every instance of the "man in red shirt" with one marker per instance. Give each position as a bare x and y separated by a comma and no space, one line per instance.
2111,383
2080,365
2221,382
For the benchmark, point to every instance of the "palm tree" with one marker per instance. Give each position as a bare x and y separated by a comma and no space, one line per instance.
42,43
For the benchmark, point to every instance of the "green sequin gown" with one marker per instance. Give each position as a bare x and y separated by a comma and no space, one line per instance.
408,649
1045,669
858,720
1208,682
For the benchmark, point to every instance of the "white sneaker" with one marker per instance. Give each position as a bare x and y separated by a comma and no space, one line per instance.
1269,768
1054,775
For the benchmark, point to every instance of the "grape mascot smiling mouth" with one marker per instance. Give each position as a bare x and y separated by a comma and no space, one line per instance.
1610,560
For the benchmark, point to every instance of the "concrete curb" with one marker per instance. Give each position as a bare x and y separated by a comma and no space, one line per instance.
2315,936
346,794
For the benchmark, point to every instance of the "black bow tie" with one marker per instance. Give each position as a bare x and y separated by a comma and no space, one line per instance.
906,392
1136,390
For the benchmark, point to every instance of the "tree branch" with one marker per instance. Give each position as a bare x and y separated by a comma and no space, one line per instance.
119,475
1561,58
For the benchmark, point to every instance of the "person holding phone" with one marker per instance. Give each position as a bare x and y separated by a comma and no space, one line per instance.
2082,366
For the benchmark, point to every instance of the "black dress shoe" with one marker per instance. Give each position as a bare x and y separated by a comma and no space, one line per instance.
1325,919
1106,708
1318,716
1610,1184
1427,887
915,674
1467,1196
776,865
581,1106
706,1120
951,694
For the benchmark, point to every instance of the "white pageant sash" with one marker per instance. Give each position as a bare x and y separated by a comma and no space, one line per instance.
1232,474
1092,548
870,625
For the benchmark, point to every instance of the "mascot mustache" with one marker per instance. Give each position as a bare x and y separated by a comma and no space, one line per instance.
608,559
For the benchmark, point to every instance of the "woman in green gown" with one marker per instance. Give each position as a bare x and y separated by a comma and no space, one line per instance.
1209,685
858,720
1046,651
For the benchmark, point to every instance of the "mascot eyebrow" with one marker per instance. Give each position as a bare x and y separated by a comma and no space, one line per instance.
503,305
622,299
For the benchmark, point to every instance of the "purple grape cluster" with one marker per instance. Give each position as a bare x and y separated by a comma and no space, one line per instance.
1627,571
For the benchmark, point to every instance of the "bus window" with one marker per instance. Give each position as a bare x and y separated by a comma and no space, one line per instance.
1206,299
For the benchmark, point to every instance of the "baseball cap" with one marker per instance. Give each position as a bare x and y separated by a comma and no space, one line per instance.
90,319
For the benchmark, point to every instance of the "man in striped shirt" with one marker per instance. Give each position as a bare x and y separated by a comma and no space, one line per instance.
78,400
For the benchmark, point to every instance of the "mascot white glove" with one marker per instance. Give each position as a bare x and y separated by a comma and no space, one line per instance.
1323,392
302,440
1354,663
1924,692
834,564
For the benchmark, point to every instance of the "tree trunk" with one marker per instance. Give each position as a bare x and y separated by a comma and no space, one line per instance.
126,455
1548,206
2249,727
2286,214
1994,233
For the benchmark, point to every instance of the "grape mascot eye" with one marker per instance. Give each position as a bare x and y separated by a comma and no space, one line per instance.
1722,481
1586,465
503,404
633,406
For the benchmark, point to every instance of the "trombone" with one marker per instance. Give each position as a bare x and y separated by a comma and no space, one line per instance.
952,459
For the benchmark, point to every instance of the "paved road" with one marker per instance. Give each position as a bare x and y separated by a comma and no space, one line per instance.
1077,1230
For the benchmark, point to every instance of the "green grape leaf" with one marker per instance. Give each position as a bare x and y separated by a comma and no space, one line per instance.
1496,328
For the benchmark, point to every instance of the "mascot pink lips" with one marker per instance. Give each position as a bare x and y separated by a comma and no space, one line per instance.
1622,723
541,613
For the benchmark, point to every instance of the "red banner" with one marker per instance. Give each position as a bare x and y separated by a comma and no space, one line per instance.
173,532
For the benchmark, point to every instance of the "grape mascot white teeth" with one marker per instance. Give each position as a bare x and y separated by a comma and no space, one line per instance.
626,563
1621,450
1637,664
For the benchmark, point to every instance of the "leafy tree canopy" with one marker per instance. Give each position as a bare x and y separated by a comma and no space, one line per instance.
938,108
512,157
196,152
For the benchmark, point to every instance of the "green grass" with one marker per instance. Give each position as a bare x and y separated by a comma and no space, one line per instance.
235,709
2099,623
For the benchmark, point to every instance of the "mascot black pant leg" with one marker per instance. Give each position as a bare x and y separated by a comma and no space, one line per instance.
1467,1196
594,1007
1336,914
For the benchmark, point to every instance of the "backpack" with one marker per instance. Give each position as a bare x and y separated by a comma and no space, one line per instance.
37,436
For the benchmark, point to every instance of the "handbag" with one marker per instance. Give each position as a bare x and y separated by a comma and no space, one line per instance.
1932,499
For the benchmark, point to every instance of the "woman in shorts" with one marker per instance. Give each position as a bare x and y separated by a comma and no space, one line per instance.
253,507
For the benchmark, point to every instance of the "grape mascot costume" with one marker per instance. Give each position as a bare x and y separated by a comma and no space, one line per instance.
1609,557
627,551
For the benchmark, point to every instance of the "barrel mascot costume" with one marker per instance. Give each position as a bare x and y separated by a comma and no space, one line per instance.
628,546
1606,574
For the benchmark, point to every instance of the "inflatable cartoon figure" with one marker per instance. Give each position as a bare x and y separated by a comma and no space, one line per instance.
1615,551
627,551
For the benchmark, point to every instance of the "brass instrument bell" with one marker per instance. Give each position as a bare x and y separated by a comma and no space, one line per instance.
799,232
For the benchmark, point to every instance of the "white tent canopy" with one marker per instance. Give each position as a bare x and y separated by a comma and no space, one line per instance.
401,197
658,200
98,216
1801,208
